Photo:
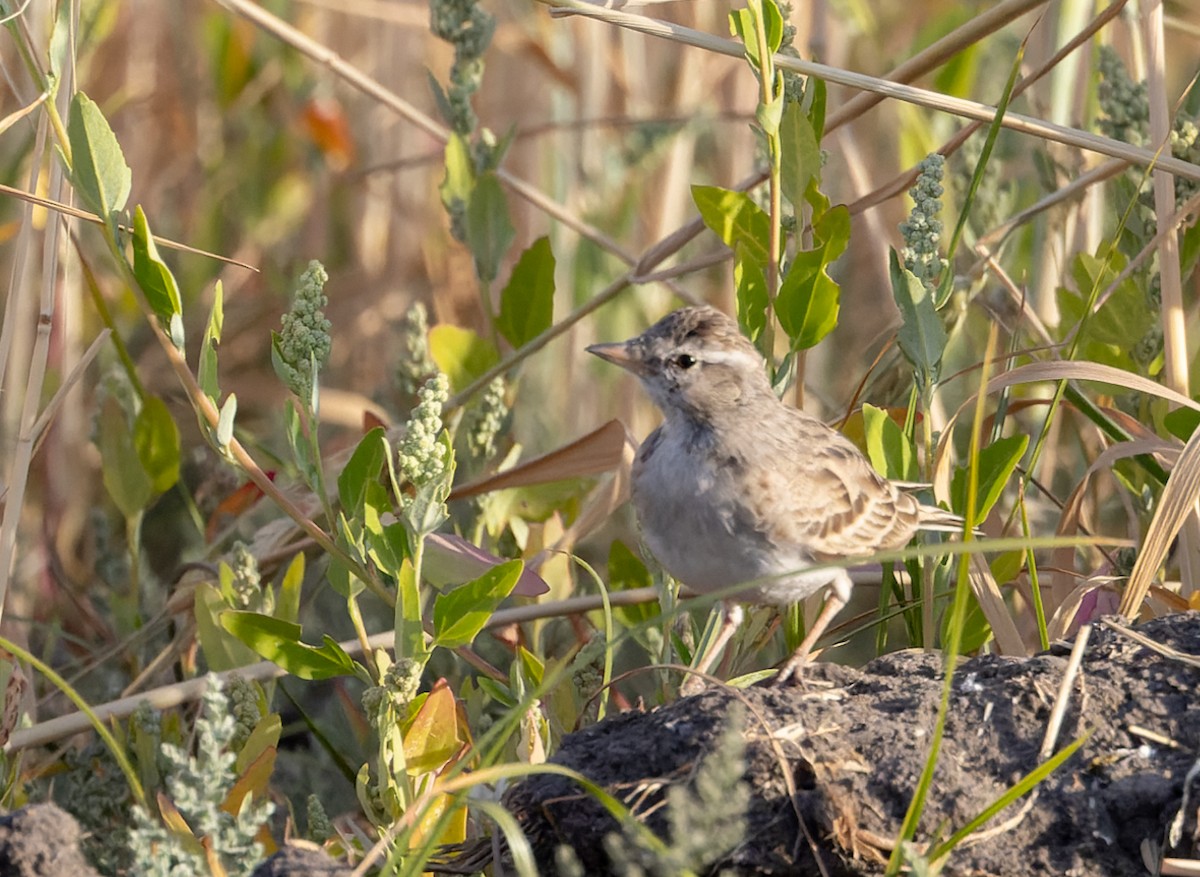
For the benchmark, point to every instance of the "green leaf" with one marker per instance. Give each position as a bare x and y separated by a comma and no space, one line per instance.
808,299
751,286
287,606
222,651
410,632
153,276
735,219
206,372
459,615
996,463
759,15
279,641
489,230
1182,422
888,448
527,302
124,475
460,173
98,168
156,439
460,354
922,337
362,469
800,158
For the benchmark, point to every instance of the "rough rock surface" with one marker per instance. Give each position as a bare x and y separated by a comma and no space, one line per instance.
301,861
853,744
41,840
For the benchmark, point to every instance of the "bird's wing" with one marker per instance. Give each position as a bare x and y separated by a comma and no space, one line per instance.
826,497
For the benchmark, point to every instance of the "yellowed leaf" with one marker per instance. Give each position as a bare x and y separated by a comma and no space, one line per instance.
432,738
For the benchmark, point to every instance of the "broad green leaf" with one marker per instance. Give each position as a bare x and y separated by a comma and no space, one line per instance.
279,641
1182,422
124,475
751,288
287,606
808,299
489,230
800,158
527,302
807,305
996,463
153,276
922,337
888,448
362,469
222,650
98,167
459,615
460,354
432,738
736,220
460,173
156,438
206,372
410,632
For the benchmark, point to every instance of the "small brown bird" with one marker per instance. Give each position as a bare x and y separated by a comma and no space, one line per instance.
735,487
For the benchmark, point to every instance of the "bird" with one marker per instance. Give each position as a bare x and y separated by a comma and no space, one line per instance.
740,493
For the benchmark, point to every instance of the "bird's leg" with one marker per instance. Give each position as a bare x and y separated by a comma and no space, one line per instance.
731,619
833,605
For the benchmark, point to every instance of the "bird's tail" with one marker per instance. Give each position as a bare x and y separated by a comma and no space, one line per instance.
938,519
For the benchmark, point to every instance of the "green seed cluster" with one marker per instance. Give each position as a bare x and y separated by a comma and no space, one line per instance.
467,27
304,338
419,456
922,230
485,420
414,365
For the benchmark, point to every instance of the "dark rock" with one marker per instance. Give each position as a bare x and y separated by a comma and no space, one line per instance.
301,861
852,746
41,840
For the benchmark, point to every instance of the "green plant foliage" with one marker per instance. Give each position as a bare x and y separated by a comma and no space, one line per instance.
800,159
736,220
125,477
98,169
279,641
460,354
489,230
808,300
889,448
155,278
922,337
996,464
751,285
527,301
460,614
156,439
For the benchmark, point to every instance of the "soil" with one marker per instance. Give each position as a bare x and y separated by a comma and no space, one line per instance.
41,840
853,744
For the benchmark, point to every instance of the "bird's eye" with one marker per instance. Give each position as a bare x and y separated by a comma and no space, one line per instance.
685,360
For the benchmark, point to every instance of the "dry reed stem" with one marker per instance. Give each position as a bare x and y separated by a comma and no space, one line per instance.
168,696
921,97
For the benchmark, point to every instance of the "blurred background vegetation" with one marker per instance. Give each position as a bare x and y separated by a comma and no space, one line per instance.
243,145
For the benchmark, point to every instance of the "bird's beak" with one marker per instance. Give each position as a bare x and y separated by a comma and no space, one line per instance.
622,353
